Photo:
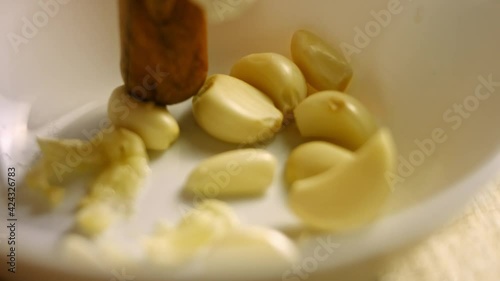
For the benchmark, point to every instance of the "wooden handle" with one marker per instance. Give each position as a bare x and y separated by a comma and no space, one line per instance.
163,49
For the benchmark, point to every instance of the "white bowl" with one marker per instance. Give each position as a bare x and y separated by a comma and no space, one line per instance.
417,64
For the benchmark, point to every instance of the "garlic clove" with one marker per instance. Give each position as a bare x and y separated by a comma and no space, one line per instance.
121,144
337,117
195,234
94,219
324,66
314,158
233,111
274,75
244,172
152,123
62,150
351,195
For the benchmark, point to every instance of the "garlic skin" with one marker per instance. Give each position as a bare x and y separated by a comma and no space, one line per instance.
324,66
337,117
276,76
313,158
234,111
152,123
350,195
238,173
94,219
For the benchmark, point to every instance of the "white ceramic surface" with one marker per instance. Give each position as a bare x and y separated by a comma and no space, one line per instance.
410,70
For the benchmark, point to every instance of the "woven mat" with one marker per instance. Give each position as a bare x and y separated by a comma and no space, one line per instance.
467,249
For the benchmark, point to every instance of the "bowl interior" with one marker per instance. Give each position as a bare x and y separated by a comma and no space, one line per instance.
426,69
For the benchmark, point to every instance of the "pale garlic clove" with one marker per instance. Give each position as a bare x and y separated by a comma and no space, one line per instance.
353,194
337,117
63,160
244,172
46,179
94,219
197,231
314,158
211,236
68,150
274,75
111,195
120,144
182,244
324,66
234,111
152,123
266,249
120,181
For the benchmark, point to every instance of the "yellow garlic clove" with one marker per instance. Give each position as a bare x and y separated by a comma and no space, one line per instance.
324,66
337,117
233,111
245,172
94,219
121,144
196,232
152,123
351,195
122,179
274,75
314,158
63,150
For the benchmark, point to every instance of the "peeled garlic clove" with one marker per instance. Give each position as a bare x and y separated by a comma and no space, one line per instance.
119,183
324,66
266,249
353,194
274,75
197,231
62,150
121,144
314,158
152,123
336,116
244,172
181,245
111,195
233,111
95,219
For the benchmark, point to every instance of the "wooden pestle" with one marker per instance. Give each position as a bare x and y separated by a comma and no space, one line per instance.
163,49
